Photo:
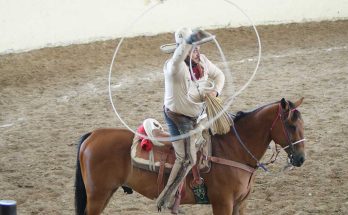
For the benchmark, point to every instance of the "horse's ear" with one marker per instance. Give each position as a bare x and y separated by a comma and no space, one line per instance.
284,104
299,102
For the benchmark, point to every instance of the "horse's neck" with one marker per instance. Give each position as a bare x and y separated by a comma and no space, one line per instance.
254,132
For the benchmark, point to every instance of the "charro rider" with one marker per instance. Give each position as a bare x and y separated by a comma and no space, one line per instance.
179,110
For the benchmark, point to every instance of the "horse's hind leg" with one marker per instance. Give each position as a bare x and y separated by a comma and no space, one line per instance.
97,201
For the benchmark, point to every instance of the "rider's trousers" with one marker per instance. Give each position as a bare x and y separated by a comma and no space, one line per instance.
185,152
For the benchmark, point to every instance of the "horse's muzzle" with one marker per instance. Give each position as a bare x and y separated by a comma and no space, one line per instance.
297,159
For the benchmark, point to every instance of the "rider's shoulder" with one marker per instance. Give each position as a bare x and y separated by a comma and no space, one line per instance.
203,58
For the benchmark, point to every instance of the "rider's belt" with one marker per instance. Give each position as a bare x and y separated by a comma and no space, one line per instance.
179,114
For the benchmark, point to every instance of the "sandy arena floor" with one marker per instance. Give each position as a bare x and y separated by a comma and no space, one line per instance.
49,97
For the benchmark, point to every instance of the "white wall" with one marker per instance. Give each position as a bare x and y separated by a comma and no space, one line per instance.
32,24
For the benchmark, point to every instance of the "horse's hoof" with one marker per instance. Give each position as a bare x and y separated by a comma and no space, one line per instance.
180,211
160,205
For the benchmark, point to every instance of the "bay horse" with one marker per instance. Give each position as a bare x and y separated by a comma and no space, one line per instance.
104,160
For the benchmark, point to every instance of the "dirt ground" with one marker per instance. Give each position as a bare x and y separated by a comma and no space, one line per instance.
50,97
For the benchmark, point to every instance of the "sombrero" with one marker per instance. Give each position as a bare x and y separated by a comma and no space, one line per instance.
170,47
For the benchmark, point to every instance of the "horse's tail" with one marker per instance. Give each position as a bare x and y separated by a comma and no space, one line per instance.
80,190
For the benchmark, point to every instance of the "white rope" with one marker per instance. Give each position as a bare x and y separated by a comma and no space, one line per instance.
152,165
202,86
230,100
297,142
110,72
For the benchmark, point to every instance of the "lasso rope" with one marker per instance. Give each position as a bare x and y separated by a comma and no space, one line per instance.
221,125
230,99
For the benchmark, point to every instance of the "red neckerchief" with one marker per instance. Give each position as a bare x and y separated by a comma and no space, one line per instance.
197,68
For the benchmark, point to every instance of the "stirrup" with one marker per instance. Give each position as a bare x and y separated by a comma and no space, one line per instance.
200,194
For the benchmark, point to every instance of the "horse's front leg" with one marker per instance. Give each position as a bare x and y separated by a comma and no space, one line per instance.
242,208
222,207
236,209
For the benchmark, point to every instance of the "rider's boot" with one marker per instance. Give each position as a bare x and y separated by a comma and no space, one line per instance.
177,198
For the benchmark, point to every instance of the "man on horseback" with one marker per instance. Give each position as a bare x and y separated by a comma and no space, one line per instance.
181,109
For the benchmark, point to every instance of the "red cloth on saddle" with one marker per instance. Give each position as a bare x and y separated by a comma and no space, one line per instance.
141,130
145,144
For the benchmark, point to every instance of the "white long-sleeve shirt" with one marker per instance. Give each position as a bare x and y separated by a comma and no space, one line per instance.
178,81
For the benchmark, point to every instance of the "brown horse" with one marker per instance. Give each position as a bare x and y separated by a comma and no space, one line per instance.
104,162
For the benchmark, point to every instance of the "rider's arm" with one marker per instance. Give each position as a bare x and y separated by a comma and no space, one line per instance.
179,56
215,74
184,48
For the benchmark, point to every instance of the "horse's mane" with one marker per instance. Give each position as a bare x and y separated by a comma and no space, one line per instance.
241,114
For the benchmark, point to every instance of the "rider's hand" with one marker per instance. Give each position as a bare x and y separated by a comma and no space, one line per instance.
213,93
197,35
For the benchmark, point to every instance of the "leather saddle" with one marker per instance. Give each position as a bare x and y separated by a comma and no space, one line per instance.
162,158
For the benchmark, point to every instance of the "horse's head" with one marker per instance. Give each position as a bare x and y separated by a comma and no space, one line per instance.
287,131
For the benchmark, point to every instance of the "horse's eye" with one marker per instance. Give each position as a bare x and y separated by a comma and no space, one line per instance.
295,115
292,127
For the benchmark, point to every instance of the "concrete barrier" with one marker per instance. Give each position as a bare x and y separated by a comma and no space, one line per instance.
26,25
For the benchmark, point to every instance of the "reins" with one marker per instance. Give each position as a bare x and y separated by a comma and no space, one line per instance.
258,164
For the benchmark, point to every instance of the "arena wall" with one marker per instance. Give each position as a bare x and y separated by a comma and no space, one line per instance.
27,25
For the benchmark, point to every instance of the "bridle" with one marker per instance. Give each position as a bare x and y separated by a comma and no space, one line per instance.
279,116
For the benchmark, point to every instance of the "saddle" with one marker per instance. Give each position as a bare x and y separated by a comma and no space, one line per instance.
161,158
